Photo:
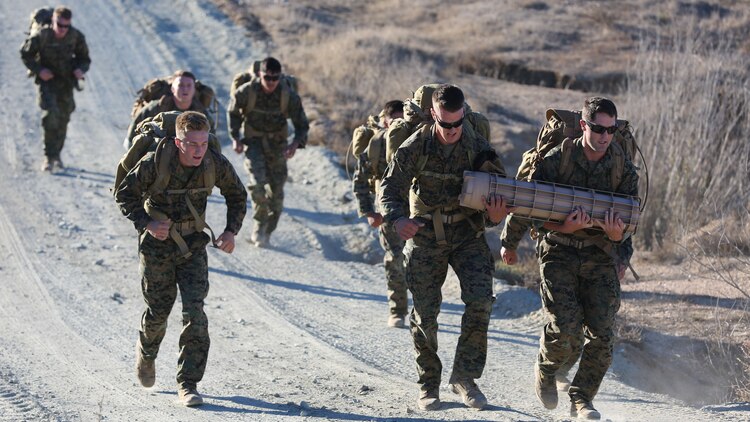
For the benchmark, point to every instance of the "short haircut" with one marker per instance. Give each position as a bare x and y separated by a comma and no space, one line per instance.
190,121
392,107
594,105
270,65
183,73
448,97
63,12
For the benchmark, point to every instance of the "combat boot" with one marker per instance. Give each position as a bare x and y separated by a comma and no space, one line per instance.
145,369
429,398
582,409
470,393
545,387
189,395
396,321
47,164
58,164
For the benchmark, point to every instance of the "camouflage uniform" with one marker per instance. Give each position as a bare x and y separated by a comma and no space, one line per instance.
163,268
62,57
165,103
435,189
367,178
263,129
580,289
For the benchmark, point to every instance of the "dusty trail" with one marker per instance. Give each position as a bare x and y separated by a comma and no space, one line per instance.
298,330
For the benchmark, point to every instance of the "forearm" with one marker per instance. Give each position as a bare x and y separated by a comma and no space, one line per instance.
514,230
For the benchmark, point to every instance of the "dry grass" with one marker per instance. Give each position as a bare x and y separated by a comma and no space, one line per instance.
685,100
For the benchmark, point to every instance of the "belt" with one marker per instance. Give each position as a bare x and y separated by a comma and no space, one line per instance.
185,228
570,241
447,219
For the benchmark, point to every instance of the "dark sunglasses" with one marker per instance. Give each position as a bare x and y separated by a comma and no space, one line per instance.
447,125
601,129
61,26
272,78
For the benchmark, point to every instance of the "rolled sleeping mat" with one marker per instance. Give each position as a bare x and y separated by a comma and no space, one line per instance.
548,201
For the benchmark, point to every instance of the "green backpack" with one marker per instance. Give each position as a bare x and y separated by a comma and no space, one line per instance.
417,114
40,18
287,84
155,134
564,124
159,87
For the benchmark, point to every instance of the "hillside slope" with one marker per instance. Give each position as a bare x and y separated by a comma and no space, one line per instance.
298,330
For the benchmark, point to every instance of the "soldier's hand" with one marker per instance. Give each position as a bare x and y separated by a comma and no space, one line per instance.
578,219
612,225
159,229
238,146
78,73
290,150
46,74
225,242
374,219
621,271
407,227
510,256
496,207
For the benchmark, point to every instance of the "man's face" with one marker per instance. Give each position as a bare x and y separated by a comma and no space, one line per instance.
60,26
594,141
192,146
183,89
454,122
269,81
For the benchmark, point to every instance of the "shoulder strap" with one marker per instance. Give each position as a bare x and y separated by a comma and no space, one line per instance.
162,159
285,94
252,97
566,165
618,164
209,176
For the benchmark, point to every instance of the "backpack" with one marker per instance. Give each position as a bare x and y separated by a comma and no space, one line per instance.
159,87
254,73
288,85
561,125
363,134
416,118
40,18
151,133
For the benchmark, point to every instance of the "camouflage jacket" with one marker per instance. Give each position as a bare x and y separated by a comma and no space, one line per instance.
438,184
42,50
266,115
132,194
165,103
368,172
591,175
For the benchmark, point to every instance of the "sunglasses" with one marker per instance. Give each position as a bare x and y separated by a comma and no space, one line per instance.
272,78
601,129
61,26
447,125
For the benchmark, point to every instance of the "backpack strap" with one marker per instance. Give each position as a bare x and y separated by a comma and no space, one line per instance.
252,98
162,159
618,164
285,94
566,165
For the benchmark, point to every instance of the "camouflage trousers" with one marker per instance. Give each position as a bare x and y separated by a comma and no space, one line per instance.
57,104
393,260
580,293
266,166
426,265
163,272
